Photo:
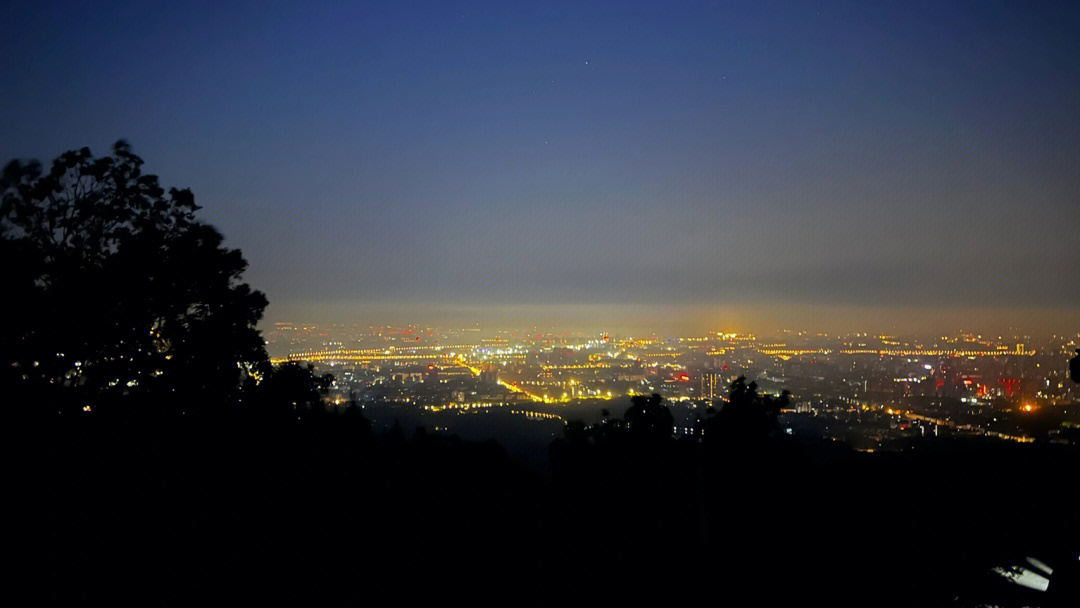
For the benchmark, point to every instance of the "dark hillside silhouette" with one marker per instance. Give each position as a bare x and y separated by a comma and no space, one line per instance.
757,517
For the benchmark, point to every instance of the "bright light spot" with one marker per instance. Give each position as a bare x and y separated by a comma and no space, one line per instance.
1040,565
1024,577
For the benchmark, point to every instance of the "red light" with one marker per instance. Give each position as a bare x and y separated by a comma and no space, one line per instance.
725,367
431,366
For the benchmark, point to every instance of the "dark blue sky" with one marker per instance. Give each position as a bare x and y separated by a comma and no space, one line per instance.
833,165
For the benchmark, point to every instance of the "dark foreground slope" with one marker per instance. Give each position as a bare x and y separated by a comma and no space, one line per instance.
199,508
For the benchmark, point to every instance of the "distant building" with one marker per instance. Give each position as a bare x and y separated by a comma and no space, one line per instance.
712,385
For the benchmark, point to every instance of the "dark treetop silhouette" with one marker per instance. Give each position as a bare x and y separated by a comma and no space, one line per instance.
748,415
121,295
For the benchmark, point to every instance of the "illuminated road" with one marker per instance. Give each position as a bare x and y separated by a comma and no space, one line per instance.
513,388
916,352
953,425
364,355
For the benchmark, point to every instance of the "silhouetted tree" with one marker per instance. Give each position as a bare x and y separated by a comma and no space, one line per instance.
293,388
396,436
1074,368
649,418
354,417
122,295
747,416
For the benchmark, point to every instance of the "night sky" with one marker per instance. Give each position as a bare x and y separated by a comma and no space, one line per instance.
627,166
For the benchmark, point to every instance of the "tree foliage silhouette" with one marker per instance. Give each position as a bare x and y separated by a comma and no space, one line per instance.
747,416
649,418
122,295
293,388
